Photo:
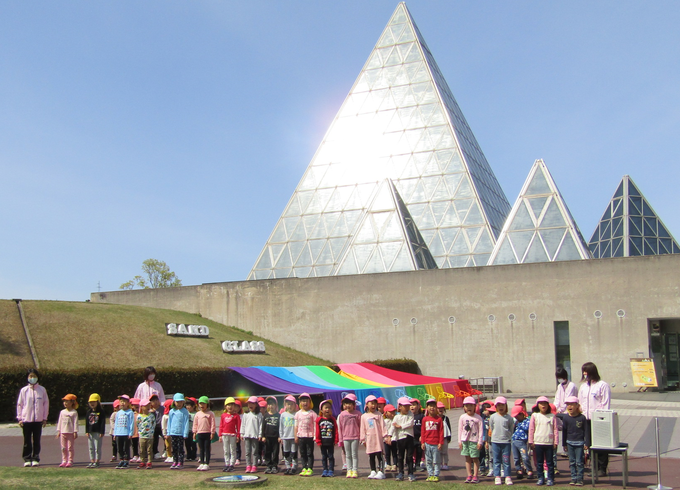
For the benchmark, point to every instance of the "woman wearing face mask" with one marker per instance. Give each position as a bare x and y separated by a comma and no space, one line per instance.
150,387
32,408
594,394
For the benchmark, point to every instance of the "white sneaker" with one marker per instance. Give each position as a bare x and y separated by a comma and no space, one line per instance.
206,467
169,460
372,475
35,463
164,455
158,456
380,476
498,480
199,468
344,467
490,473
508,480
27,464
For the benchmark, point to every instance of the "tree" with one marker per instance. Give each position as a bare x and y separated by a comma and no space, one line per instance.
157,274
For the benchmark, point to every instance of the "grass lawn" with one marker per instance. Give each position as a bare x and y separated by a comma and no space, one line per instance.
84,479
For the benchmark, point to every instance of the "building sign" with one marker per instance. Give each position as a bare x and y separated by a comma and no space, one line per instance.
182,330
237,346
643,372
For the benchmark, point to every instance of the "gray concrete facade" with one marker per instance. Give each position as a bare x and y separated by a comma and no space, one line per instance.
351,318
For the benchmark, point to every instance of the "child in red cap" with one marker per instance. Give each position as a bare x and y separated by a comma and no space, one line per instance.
390,448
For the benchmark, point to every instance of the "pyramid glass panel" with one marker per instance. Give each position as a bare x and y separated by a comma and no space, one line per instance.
636,228
541,211
399,124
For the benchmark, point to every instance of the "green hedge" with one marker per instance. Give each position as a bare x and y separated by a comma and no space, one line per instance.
112,383
404,365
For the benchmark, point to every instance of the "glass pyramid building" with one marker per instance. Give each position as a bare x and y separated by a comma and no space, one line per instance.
540,227
398,182
629,226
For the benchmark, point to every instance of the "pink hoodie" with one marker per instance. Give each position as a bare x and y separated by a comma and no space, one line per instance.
349,424
33,404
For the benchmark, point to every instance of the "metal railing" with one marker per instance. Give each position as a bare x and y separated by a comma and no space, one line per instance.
488,385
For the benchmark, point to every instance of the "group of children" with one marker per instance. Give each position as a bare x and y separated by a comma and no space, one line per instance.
395,438
495,434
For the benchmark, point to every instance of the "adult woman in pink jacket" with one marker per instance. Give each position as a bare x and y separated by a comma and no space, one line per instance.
32,408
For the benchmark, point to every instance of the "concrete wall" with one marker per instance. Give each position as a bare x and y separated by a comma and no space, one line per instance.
350,318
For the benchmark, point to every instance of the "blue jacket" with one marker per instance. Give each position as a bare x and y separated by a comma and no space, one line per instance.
125,423
179,422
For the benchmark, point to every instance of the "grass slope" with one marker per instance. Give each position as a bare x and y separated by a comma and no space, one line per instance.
73,335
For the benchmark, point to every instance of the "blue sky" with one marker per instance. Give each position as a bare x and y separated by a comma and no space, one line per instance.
179,130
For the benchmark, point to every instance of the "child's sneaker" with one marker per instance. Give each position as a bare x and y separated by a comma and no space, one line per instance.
445,467
141,466
253,469
372,475
578,483
411,477
539,482
237,462
344,467
169,460
490,473
474,480
380,475
113,459
399,477
435,479
508,480
468,480
331,473
549,483
497,480
324,473
149,466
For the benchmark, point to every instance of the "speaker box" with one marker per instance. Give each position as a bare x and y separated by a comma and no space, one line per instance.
605,428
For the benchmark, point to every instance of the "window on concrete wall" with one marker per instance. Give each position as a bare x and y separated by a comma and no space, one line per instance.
562,353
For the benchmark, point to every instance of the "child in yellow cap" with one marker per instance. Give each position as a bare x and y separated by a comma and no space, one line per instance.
95,428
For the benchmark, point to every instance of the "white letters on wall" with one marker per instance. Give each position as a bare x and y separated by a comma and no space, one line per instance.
235,346
187,330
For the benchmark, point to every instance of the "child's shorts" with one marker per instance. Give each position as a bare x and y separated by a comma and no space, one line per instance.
470,449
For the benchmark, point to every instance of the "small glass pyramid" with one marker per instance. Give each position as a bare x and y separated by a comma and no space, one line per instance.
399,122
540,227
629,226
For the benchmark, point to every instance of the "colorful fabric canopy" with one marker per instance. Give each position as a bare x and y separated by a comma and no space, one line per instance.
362,379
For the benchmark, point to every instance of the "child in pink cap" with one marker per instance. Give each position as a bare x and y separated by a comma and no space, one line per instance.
251,427
401,431
305,420
441,408
501,427
470,438
543,435
287,434
349,428
372,435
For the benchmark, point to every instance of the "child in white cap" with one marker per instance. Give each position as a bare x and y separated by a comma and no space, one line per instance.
501,427
327,437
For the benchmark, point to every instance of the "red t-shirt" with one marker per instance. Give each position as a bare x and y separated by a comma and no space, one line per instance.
432,430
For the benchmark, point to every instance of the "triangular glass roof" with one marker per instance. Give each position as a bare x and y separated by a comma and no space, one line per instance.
629,226
399,122
540,227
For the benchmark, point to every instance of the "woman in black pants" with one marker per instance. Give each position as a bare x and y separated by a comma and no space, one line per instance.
32,409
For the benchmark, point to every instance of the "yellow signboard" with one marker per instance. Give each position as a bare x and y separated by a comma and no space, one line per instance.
643,372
